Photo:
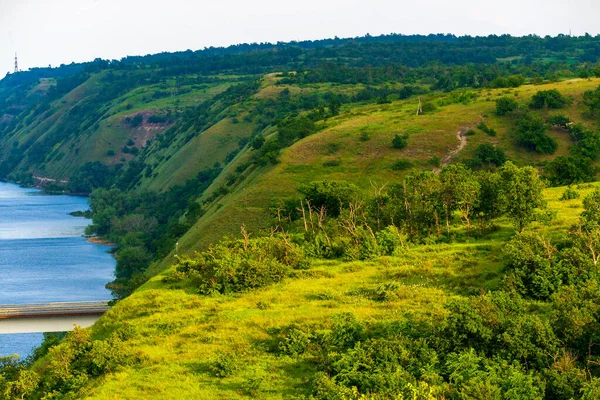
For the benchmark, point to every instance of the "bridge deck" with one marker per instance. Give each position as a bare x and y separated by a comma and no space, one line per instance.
64,309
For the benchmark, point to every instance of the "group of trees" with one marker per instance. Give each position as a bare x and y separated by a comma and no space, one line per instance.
337,223
145,225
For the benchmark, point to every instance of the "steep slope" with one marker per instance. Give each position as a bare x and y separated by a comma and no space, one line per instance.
356,146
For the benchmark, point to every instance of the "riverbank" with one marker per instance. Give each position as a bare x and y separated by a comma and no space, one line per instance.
99,240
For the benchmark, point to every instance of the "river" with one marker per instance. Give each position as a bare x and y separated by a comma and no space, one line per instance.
44,257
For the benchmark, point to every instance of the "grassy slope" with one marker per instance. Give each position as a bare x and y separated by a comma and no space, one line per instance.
180,335
111,132
368,163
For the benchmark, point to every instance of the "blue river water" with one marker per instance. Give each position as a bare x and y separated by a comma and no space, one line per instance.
44,257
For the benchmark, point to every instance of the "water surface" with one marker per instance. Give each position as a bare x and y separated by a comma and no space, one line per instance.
43,256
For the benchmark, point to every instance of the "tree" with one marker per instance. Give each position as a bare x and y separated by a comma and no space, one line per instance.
258,142
333,195
587,231
505,105
492,199
548,99
566,170
523,190
488,155
132,261
460,190
531,134
591,99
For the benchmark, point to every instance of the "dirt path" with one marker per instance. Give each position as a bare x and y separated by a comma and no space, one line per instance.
461,136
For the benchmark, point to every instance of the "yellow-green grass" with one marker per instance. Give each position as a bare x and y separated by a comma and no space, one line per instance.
180,335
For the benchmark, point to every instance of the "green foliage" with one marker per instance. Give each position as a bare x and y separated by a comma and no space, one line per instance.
530,266
92,176
568,170
531,134
331,195
548,99
506,105
241,265
487,155
483,127
428,108
402,165
569,194
132,261
523,190
591,99
225,365
400,141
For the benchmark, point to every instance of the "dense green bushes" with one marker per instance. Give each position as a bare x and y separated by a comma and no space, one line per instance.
531,134
548,99
505,105
237,266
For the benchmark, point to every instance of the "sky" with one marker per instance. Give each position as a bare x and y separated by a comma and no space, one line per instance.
53,32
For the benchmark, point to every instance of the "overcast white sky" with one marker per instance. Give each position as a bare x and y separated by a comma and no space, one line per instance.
52,32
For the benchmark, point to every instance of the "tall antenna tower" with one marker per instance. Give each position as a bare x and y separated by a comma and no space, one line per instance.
16,64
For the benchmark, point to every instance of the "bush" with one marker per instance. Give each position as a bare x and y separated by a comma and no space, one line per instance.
224,365
568,170
569,194
294,342
548,98
389,239
237,266
483,127
400,141
428,107
531,134
505,105
530,266
402,164
487,154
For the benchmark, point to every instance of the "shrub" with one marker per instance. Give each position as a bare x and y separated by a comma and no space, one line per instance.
294,341
400,141
531,134
387,291
567,170
531,270
241,265
389,239
548,98
224,365
365,136
505,105
346,331
559,120
569,194
402,164
331,163
428,107
483,127
487,154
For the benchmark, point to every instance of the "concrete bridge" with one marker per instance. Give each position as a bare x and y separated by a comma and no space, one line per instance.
49,317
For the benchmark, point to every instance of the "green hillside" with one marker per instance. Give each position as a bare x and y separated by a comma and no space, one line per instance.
376,218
